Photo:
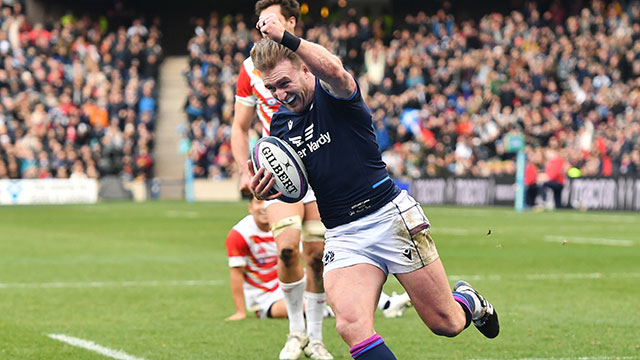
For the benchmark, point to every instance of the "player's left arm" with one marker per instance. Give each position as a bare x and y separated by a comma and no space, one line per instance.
322,63
237,293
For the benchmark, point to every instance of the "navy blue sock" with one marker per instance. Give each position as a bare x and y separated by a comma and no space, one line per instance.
467,304
372,348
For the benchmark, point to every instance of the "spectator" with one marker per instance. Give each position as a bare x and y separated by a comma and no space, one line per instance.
68,92
531,177
562,76
553,177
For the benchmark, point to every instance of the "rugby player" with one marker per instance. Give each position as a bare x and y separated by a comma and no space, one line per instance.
373,228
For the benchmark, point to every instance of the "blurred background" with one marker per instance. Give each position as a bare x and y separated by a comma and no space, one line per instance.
521,103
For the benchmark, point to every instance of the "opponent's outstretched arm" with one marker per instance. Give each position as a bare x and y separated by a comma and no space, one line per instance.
242,117
322,63
237,293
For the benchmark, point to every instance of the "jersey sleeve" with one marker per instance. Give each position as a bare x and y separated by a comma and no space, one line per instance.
237,249
244,90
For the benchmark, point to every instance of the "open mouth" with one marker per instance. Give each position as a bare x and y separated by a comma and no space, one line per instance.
289,100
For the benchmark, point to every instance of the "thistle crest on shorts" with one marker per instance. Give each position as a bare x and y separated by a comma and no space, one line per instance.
328,257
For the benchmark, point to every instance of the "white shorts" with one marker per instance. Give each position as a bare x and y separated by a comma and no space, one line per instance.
260,301
396,238
308,198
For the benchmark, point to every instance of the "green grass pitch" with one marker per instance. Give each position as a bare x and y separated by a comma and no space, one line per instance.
151,280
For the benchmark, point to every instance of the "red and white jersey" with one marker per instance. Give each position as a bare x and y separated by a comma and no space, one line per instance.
250,91
255,250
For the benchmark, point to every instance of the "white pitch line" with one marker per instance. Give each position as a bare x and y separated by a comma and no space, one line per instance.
157,283
588,240
474,277
564,276
106,284
91,346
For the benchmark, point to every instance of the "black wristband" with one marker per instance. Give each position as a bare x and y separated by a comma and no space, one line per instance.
291,41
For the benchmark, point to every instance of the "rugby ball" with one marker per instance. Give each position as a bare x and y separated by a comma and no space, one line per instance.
279,158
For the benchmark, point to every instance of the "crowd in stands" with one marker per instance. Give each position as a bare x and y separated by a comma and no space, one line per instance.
445,94
77,99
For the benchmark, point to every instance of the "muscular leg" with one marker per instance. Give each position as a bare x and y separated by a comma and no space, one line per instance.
287,240
431,296
285,225
286,222
354,308
312,247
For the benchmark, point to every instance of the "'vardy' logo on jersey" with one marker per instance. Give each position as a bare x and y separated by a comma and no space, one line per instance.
308,135
312,146
309,144
315,145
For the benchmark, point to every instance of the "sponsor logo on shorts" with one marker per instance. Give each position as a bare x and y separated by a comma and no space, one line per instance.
407,253
328,257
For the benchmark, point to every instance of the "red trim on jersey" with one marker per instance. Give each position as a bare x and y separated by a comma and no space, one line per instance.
236,244
267,277
243,87
267,118
268,264
259,239
260,286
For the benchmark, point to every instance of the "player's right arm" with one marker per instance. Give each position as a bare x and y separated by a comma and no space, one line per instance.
244,111
237,293
328,68
322,63
237,252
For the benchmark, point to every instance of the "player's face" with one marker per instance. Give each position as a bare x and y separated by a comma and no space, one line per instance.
289,24
290,84
259,213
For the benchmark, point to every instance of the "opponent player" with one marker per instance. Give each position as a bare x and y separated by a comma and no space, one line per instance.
252,260
253,271
373,228
289,222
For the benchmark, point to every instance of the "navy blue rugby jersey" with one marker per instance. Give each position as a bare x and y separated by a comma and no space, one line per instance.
337,144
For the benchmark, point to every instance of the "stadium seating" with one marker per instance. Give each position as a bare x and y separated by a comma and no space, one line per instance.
77,98
444,93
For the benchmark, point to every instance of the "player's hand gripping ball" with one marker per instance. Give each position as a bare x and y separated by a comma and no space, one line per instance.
279,158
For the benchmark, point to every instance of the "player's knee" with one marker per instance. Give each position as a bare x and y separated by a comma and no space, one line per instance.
348,325
447,326
289,256
445,331
315,262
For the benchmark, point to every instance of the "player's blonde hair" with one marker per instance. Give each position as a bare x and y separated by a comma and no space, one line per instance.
266,54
